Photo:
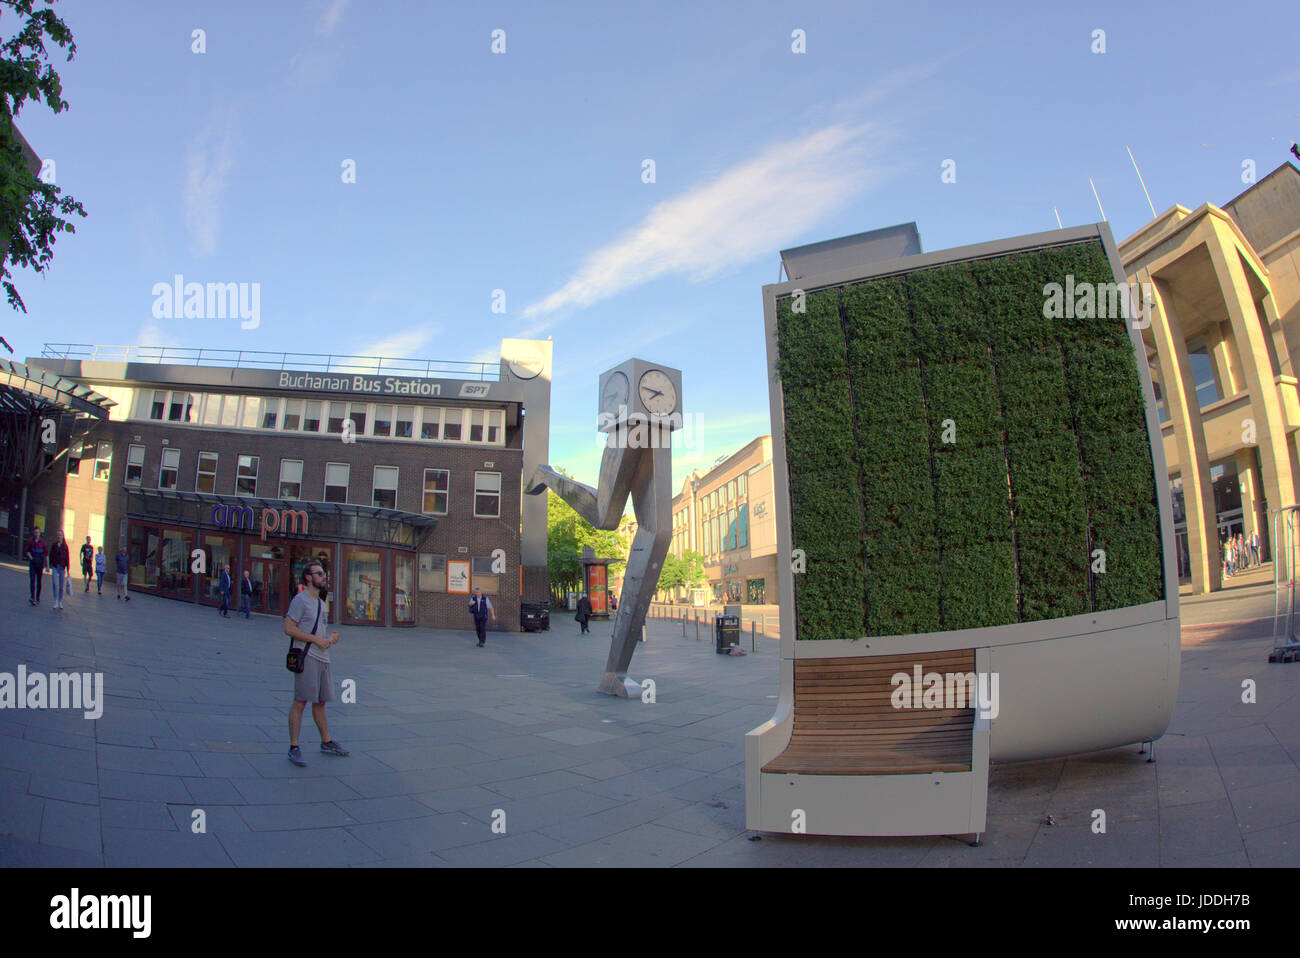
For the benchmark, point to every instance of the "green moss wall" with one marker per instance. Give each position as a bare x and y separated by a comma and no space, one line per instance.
905,532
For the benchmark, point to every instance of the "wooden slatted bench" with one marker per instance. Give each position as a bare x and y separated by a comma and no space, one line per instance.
845,724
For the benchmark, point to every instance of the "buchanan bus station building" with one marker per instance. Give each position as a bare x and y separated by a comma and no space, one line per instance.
403,478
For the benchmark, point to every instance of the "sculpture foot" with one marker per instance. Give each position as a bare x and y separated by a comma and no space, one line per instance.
619,685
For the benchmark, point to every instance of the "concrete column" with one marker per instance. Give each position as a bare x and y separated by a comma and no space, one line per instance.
1266,405
1249,503
1189,435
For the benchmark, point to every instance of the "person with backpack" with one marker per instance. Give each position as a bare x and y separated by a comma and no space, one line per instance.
59,560
36,552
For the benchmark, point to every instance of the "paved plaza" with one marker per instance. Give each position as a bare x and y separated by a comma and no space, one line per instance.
447,739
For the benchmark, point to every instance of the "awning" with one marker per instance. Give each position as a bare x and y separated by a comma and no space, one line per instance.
25,390
346,522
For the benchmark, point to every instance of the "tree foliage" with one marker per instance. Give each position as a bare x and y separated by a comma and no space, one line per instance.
684,573
566,534
31,211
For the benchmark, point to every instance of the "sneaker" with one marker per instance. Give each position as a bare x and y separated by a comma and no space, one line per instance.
332,748
128,598
295,756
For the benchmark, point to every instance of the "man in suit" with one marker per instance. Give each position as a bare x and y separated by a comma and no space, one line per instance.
481,607
584,612
224,586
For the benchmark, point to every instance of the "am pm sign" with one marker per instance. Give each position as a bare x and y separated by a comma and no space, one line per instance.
284,521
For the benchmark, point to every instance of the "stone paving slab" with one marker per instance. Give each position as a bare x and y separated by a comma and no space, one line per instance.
445,738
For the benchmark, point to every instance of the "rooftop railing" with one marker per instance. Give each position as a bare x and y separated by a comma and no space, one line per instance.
261,359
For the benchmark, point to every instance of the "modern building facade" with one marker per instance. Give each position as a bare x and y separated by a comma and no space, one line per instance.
1222,344
726,515
404,483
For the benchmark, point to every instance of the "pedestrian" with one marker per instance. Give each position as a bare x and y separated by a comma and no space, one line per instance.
59,567
246,595
1254,546
101,566
584,612
87,562
36,552
224,586
123,565
481,607
613,602
314,683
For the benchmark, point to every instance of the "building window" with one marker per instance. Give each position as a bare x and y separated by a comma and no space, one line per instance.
431,423
205,478
336,481
292,415
436,484
384,494
740,484
731,491
731,529
482,576
717,540
433,573
742,527
452,420
229,411
169,469
181,408
1207,387
496,425
159,405
311,418
76,452
708,543
134,465
270,413
211,410
246,476
363,592
290,478
487,495
357,413
252,413
405,422
337,411
476,425
383,420
103,460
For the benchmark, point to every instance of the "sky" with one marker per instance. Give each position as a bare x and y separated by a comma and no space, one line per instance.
525,171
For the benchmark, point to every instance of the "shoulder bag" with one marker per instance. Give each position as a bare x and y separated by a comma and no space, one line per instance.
296,660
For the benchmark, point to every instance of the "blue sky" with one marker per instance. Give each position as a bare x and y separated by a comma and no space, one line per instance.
522,171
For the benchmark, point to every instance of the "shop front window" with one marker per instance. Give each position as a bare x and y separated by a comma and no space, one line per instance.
174,575
364,590
143,556
756,590
220,553
403,587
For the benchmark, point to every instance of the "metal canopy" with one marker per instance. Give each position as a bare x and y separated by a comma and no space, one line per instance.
23,389
328,520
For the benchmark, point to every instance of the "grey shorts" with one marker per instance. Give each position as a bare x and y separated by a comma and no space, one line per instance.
121,578
313,683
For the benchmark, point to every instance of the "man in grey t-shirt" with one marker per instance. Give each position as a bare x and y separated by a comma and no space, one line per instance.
305,623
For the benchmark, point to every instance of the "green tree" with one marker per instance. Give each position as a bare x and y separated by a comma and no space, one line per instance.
686,572
566,534
29,208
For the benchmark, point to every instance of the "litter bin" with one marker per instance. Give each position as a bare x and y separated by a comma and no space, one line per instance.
726,630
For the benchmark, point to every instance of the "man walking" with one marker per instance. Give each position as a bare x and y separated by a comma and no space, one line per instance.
36,552
314,683
1254,545
87,562
246,595
59,567
584,612
123,566
481,607
224,586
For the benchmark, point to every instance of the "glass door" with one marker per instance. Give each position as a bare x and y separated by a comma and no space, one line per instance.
268,569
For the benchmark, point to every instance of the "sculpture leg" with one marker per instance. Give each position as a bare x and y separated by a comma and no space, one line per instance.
652,500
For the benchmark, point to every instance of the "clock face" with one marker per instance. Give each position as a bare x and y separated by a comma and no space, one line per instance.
526,362
615,394
657,393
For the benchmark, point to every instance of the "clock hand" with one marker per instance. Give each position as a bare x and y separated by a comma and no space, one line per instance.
653,392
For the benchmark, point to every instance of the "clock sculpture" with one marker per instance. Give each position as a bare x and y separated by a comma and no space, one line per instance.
640,406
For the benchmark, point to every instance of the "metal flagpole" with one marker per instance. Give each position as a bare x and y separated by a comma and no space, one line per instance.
1143,182
1058,218
1098,198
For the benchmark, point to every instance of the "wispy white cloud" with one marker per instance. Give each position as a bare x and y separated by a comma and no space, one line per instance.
208,162
404,345
152,334
331,17
745,213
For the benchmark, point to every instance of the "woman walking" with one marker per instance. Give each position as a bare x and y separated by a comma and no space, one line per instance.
59,561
